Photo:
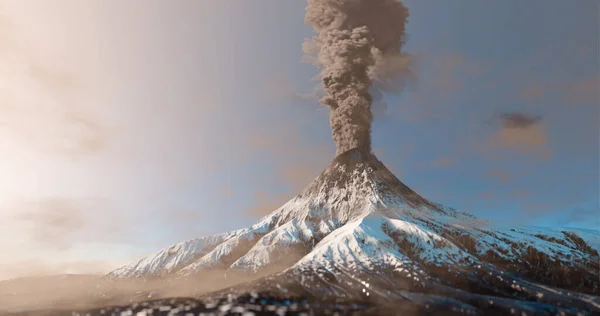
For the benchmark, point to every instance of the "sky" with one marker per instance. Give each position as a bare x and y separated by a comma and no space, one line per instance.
129,125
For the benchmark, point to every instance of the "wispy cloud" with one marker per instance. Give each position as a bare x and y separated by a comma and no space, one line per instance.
532,92
227,192
521,194
85,135
63,223
63,235
520,132
266,202
519,120
294,159
579,215
440,79
537,207
452,71
28,268
444,161
37,104
281,88
503,175
573,92
487,195
441,162
585,91
297,158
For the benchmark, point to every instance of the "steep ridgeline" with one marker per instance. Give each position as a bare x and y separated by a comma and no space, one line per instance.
357,232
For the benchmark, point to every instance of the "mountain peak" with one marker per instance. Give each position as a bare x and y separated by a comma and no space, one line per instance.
358,170
353,156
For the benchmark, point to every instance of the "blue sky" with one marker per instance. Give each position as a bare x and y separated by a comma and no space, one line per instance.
128,127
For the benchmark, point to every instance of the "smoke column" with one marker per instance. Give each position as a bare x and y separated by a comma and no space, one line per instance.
358,48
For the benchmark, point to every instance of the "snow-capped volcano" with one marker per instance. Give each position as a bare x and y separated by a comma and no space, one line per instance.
357,224
355,185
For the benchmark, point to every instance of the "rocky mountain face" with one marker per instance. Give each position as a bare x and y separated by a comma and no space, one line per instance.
357,233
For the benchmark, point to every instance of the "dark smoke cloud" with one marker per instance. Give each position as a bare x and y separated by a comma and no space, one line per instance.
519,120
521,132
358,48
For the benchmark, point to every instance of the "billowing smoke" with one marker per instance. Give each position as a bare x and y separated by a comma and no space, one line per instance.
358,48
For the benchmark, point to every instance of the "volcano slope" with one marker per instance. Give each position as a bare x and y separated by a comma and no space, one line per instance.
358,234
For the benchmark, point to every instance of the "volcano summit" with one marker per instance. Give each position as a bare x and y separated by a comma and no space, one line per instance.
357,233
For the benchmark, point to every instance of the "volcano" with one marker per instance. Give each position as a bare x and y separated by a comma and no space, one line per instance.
357,233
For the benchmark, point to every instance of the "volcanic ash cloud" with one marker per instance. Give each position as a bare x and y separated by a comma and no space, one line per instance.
358,48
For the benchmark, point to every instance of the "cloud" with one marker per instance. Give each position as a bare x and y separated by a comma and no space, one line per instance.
440,81
440,162
450,65
28,268
530,211
37,104
54,221
522,133
396,164
227,192
580,91
521,137
503,175
58,83
586,91
518,120
531,92
63,223
294,159
281,88
312,160
582,214
297,158
522,194
85,136
291,175
536,207
299,176
487,195
444,162
266,202
63,235
450,72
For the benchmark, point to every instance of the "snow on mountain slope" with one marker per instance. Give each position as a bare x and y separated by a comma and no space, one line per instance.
173,258
373,239
358,217
589,236
351,188
230,249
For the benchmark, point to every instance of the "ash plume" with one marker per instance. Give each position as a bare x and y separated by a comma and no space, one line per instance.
358,48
